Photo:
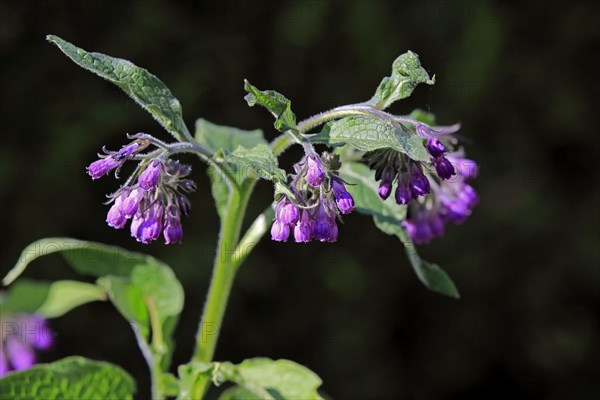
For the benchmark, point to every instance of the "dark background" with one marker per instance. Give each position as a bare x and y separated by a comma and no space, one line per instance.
522,79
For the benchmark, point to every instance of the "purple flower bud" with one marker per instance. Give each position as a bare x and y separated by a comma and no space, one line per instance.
115,218
287,212
44,338
131,204
101,167
465,168
419,185
435,147
314,174
385,187
322,229
333,231
444,168
303,229
344,200
403,194
136,224
126,151
384,190
423,130
149,178
280,231
173,232
152,226
468,195
19,352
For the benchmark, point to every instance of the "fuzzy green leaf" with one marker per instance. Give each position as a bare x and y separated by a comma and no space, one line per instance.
225,138
69,378
367,133
275,103
388,217
143,87
407,73
259,159
51,299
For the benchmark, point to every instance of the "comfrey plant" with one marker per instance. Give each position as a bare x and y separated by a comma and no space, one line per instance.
368,155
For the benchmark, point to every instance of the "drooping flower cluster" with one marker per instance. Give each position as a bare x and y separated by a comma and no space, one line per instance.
155,202
321,196
435,192
22,335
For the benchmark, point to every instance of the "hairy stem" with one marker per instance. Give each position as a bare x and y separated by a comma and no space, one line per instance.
223,275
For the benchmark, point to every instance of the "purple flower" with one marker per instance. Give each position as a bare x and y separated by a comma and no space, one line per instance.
435,147
385,187
131,203
344,200
127,151
303,229
314,175
465,168
115,218
403,193
149,178
286,212
443,167
136,223
152,226
173,232
325,228
21,335
280,231
419,184
101,167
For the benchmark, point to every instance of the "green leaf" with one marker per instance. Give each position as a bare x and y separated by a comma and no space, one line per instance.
275,103
370,133
431,275
388,217
283,379
238,393
423,116
69,378
158,282
51,299
362,186
407,73
218,138
143,87
259,159
128,300
262,377
89,258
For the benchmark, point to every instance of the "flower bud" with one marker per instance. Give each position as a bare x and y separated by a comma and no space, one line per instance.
344,200
419,184
149,178
314,174
444,168
303,229
280,231
101,167
435,147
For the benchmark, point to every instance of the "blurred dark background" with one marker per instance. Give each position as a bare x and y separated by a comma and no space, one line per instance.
522,79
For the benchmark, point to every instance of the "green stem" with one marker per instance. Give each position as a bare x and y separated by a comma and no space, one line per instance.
222,279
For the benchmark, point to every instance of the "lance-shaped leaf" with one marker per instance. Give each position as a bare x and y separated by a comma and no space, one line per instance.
143,87
388,217
51,299
69,378
407,73
275,103
370,133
